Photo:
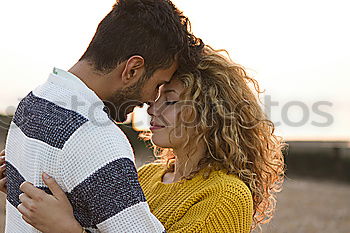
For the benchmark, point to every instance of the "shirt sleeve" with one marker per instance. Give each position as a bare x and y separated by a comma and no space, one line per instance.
227,211
99,173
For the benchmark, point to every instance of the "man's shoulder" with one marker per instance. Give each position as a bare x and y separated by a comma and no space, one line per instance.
54,120
74,101
43,120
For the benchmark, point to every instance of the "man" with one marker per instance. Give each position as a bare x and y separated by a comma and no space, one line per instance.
62,127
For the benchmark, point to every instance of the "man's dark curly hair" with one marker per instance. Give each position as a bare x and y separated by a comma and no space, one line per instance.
153,29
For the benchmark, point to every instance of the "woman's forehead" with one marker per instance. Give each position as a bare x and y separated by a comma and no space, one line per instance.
174,84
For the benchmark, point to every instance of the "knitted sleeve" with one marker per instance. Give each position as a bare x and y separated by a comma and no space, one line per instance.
227,209
101,180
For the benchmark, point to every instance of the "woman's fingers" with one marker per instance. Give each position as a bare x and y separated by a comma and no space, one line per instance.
2,171
2,160
3,179
3,185
32,191
53,186
23,210
27,201
27,220
44,211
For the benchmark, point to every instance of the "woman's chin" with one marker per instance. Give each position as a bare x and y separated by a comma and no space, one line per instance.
160,141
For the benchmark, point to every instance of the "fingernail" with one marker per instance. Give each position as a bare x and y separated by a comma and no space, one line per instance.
46,176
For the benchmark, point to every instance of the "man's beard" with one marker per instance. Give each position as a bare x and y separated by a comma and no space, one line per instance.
124,101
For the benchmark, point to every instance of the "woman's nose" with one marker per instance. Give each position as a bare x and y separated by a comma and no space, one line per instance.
151,108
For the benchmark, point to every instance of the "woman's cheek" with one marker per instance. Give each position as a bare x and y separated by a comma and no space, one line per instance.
168,137
174,117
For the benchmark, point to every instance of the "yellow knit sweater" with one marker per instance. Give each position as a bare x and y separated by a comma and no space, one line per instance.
221,203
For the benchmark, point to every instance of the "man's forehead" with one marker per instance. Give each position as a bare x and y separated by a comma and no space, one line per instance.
173,68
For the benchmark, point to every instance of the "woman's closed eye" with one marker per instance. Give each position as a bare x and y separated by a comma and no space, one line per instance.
171,102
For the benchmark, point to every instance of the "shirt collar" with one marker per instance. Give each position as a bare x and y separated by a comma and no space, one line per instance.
72,82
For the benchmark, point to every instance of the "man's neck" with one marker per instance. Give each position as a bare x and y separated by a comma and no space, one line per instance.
92,79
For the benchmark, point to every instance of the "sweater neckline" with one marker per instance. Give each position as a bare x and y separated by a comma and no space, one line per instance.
160,179
171,186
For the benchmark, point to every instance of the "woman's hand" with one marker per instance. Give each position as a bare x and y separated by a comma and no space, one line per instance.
3,181
47,213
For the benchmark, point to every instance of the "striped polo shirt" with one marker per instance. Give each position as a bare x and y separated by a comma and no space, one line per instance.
62,128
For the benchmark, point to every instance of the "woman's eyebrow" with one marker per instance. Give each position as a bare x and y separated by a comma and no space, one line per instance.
167,91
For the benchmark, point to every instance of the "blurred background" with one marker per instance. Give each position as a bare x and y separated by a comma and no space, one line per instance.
298,51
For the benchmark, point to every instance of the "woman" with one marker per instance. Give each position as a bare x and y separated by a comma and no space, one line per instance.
219,164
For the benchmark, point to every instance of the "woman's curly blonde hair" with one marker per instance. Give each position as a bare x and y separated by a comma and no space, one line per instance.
226,115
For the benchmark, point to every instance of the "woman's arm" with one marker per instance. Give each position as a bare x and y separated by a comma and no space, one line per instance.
47,213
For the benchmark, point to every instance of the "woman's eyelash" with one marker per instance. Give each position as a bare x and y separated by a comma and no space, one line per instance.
170,102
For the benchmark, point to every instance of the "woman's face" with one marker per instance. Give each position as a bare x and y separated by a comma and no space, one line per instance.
164,114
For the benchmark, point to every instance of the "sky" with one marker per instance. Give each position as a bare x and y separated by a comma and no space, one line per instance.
299,52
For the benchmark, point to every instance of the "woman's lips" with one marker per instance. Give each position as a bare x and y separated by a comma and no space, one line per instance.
155,127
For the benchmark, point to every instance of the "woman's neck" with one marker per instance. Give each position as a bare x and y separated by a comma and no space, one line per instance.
184,164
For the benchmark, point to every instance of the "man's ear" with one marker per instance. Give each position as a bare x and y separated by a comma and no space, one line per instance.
133,70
